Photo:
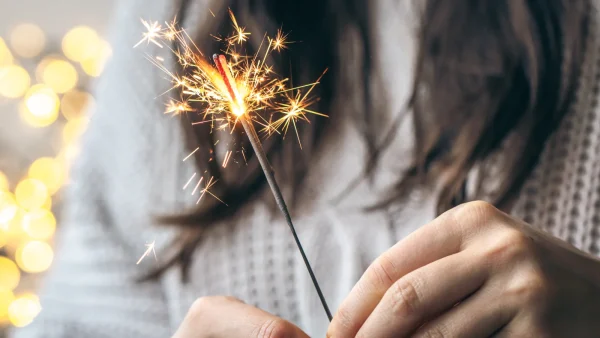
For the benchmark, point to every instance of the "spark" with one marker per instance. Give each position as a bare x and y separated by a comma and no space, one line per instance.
279,41
240,35
244,155
255,93
191,154
176,107
197,186
152,34
149,248
206,190
189,181
226,159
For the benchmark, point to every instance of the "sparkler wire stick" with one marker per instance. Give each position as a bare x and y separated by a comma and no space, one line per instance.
223,69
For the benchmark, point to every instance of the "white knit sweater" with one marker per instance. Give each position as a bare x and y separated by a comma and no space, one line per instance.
131,170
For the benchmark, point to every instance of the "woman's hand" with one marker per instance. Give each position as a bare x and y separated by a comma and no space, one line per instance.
229,317
475,272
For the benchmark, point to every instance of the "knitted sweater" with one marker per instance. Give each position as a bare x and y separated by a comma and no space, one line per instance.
130,170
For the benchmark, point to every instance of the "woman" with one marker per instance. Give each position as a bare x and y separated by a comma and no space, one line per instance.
503,107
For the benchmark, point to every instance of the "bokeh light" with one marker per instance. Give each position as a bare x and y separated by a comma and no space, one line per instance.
34,256
47,203
41,66
31,194
75,104
48,171
4,185
39,224
94,65
23,310
10,274
8,207
3,236
14,81
73,130
80,43
15,235
60,75
6,297
6,57
27,40
41,106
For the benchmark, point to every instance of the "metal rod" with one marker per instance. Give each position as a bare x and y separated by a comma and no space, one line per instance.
269,174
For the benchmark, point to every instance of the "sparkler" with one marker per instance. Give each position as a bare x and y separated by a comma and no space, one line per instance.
243,91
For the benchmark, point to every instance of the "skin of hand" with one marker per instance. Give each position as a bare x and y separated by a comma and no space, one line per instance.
226,317
475,272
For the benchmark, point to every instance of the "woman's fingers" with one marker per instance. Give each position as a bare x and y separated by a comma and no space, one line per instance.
424,293
481,315
229,317
444,236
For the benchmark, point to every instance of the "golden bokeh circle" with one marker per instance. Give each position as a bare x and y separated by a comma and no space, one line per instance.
48,171
80,43
60,75
27,40
8,207
6,297
14,81
10,274
94,65
41,106
31,194
34,256
39,224
6,57
23,310
75,104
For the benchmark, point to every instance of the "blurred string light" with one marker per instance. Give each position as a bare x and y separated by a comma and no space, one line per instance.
10,276
94,65
14,81
75,104
6,298
60,75
23,309
48,171
73,130
82,44
6,57
31,194
39,224
41,106
27,223
34,256
27,40
8,208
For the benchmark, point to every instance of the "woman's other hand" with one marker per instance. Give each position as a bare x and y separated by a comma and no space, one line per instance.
229,317
475,272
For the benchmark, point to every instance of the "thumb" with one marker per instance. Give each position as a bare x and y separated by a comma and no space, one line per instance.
229,317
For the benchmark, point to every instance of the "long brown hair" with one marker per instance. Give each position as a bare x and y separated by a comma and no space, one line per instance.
489,74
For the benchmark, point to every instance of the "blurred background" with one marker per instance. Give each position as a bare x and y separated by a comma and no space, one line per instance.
50,54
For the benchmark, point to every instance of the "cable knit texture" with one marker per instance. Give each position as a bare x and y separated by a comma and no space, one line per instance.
131,170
